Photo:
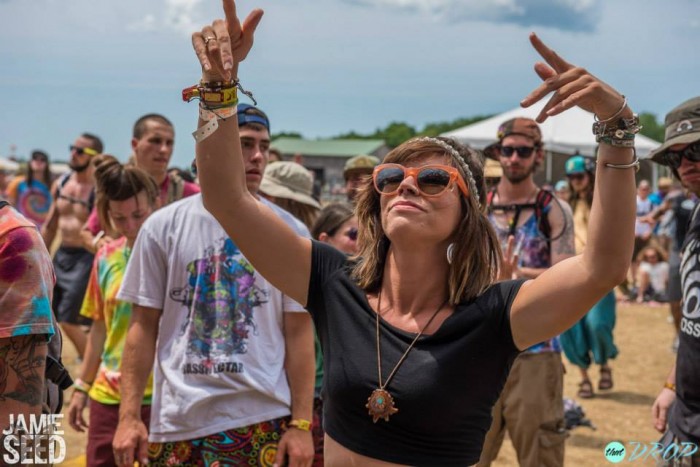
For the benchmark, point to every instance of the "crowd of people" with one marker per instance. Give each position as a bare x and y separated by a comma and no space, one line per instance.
226,316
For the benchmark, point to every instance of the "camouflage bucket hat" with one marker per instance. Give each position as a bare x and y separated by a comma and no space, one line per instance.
682,127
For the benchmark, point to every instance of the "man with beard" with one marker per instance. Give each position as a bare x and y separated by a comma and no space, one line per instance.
677,407
73,196
536,231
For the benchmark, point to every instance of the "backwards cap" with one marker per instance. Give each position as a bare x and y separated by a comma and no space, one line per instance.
250,114
522,126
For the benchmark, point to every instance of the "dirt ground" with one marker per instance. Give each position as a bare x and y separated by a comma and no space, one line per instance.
643,336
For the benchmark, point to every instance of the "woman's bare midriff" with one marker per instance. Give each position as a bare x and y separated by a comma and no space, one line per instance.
335,455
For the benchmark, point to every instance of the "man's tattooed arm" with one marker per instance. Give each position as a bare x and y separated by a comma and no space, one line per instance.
22,364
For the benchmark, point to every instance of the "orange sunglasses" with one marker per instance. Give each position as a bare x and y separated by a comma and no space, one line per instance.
432,180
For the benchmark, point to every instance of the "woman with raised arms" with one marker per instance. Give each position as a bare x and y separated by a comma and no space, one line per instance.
417,336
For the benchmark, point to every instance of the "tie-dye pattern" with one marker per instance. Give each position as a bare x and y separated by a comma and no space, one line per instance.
26,278
101,303
533,250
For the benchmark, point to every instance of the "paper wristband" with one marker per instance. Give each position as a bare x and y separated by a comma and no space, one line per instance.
206,130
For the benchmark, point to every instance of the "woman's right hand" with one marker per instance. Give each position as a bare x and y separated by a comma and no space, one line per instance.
78,402
221,46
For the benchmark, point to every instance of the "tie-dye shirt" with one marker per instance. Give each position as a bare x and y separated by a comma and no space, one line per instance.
533,250
101,303
26,278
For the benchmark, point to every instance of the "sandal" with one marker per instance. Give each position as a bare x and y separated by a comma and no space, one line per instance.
585,389
606,381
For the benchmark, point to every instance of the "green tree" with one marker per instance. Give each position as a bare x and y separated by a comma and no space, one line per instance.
396,133
651,127
286,134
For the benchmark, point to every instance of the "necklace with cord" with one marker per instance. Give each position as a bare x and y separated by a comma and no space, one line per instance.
381,403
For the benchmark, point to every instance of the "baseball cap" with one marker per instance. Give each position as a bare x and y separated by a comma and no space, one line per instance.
250,114
682,127
286,179
362,164
575,165
515,126
561,185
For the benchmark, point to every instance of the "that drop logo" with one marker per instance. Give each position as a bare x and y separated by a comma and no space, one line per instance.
615,452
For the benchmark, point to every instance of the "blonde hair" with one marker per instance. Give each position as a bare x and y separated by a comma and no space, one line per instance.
477,253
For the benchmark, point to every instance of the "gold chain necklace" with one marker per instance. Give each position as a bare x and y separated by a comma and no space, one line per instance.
381,403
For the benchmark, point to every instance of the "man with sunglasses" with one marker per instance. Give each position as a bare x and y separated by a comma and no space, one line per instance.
73,197
152,143
539,230
677,407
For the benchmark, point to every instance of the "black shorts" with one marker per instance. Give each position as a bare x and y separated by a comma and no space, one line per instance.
72,266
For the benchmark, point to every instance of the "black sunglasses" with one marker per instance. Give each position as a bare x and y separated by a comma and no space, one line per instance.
351,233
523,152
575,176
81,151
675,158
39,158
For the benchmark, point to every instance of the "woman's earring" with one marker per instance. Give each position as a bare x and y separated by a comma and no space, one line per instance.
450,252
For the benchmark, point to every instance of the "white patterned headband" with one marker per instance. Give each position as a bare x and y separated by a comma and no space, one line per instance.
455,155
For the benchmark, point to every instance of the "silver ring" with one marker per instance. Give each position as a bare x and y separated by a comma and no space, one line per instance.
207,39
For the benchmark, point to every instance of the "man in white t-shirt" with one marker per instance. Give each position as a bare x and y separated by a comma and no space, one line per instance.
234,358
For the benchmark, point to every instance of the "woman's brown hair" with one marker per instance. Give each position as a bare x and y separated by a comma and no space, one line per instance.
118,182
477,253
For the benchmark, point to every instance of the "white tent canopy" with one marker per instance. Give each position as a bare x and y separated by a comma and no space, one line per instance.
565,133
9,165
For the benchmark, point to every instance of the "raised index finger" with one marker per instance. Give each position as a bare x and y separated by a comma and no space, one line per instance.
555,61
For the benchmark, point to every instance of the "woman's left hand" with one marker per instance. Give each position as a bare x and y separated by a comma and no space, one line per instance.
509,262
571,85
225,43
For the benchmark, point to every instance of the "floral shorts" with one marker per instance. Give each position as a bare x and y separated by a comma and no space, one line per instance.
253,445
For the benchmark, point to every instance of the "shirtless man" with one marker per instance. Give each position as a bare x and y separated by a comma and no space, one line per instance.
73,198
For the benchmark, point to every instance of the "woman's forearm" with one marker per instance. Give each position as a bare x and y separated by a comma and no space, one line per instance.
611,223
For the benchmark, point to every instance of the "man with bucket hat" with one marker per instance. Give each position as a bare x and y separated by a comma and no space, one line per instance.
677,407
356,170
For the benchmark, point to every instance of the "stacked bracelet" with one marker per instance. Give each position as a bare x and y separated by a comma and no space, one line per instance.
81,386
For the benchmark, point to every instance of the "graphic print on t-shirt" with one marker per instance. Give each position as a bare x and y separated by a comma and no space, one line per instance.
690,277
220,295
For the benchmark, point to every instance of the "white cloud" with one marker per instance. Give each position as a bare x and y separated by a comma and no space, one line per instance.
573,15
176,15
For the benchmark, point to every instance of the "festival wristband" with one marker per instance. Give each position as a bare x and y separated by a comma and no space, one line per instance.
301,424
81,385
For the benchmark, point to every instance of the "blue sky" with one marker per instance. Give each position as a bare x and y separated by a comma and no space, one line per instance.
324,67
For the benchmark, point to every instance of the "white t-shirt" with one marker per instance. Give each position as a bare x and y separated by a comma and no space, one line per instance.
220,351
658,274
644,207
